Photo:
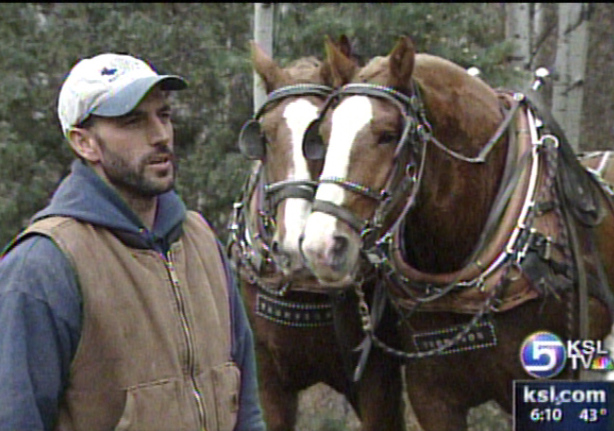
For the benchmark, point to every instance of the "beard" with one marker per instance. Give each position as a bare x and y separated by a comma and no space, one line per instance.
132,175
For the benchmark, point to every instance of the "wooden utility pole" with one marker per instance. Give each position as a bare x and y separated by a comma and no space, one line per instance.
570,63
263,36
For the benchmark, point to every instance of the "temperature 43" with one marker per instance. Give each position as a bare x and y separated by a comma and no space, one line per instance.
592,415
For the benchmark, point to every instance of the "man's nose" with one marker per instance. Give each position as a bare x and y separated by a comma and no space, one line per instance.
160,131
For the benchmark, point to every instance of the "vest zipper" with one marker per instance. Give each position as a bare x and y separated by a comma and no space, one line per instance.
191,365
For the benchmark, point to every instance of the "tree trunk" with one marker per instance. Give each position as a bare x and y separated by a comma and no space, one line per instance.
568,88
263,36
538,35
518,30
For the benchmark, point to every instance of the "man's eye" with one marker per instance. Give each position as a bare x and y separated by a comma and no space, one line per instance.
131,120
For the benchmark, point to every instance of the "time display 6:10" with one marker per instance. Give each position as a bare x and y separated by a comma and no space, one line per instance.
547,415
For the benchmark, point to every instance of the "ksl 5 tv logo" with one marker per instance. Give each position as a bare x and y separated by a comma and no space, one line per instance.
544,355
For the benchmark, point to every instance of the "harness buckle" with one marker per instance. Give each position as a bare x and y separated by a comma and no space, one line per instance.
515,272
543,245
495,304
518,97
410,172
424,132
549,141
234,220
525,248
547,253
268,221
481,286
363,309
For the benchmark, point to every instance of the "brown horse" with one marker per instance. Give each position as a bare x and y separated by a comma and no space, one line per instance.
479,223
297,342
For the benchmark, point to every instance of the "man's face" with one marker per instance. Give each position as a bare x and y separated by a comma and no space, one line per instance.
136,150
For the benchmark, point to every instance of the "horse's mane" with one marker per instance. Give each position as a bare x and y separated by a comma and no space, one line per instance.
465,107
425,71
429,70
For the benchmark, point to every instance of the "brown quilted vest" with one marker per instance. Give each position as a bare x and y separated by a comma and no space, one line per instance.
154,352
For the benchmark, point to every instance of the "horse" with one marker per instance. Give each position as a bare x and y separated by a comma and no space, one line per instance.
296,340
480,224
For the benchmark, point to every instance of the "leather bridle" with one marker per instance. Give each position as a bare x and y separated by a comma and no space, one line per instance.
252,143
403,178
403,182
254,246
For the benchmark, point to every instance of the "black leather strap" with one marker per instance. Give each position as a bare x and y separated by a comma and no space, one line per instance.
340,213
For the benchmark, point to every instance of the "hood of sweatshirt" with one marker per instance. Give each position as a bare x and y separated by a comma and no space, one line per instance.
85,196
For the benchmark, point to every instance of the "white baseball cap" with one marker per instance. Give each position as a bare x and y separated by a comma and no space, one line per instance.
108,85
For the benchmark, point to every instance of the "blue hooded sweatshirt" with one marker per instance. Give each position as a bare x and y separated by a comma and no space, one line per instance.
41,307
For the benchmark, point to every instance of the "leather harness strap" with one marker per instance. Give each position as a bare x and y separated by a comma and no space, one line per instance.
583,190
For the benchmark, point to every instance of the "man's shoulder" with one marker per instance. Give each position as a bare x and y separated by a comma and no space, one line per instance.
30,249
196,217
34,263
195,223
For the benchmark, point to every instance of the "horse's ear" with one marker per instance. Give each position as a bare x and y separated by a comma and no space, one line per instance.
345,46
401,60
266,68
340,66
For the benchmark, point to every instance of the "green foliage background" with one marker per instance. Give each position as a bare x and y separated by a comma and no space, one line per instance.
208,45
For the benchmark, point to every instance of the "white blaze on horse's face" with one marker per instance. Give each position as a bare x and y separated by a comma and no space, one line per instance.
330,247
298,115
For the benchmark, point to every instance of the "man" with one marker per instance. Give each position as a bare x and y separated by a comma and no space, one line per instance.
117,309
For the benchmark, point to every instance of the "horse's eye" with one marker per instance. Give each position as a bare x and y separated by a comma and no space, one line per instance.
388,138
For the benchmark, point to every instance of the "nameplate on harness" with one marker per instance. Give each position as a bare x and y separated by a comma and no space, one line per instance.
296,314
480,336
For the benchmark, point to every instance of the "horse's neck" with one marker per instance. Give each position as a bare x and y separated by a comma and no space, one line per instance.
444,227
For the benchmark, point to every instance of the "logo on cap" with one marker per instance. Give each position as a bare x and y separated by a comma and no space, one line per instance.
106,71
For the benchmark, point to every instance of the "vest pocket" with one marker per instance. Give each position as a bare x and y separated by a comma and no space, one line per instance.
153,406
226,385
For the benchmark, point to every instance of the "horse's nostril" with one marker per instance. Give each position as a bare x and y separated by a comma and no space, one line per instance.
275,247
340,245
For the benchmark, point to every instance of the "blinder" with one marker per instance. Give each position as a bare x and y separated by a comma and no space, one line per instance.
313,144
252,141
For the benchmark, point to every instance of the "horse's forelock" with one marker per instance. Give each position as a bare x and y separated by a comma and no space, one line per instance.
307,62
304,71
376,68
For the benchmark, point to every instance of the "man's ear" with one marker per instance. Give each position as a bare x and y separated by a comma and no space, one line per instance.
84,143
